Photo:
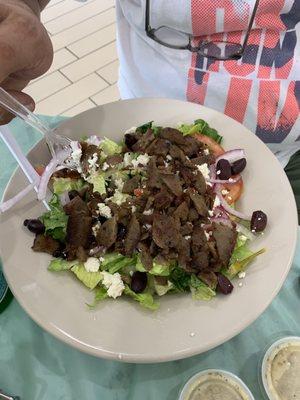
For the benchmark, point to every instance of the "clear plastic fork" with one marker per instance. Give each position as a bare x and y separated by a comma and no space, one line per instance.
54,141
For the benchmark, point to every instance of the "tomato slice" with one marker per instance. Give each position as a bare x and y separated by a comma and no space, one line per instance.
215,147
39,169
235,190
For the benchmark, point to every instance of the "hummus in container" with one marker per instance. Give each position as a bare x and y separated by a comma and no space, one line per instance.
213,384
281,369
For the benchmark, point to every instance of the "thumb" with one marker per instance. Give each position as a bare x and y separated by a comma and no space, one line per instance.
25,99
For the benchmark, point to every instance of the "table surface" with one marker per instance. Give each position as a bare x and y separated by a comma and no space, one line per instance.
36,366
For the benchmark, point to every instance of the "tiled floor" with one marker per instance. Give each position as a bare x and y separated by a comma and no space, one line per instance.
85,67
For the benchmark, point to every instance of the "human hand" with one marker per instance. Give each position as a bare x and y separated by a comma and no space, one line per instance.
25,51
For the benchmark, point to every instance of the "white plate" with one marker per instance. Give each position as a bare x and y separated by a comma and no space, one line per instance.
121,329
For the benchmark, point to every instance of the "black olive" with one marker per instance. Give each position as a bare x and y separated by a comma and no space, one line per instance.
35,225
138,281
121,231
25,223
102,219
224,285
73,194
130,140
223,169
258,221
238,166
57,253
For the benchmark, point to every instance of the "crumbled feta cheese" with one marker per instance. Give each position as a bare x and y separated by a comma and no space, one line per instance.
206,235
187,158
101,259
204,170
218,172
76,154
127,159
130,130
95,140
96,228
242,274
148,212
217,202
92,264
92,161
224,192
210,213
169,158
206,152
148,226
119,183
187,237
105,166
113,284
192,334
240,284
142,159
133,209
104,210
166,164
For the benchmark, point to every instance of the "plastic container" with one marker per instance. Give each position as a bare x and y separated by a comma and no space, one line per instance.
269,356
233,381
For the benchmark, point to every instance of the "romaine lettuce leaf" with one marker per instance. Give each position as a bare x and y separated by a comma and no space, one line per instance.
55,220
61,185
180,279
200,291
145,299
58,264
160,269
110,147
98,181
114,262
245,257
89,279
161,290
200,126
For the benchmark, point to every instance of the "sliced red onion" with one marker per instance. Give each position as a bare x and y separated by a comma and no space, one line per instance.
14,200
228,181
224,221
232,155
219,212
64,198
96,250
244,231
226,206
49,170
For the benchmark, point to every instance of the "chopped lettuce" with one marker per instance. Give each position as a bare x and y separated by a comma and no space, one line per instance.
180,279
110,147
100,294
145,299
58,264
62,185
89,279
161,290
55,220
143,128
245,258
98,181
200,291
157,269
200,126
118,198
115,262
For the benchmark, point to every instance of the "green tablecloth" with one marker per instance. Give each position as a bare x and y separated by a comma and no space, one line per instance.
36,366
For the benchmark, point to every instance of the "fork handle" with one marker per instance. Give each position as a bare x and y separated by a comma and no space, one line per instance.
15,107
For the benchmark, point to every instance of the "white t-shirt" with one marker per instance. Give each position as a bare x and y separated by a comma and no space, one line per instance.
262,90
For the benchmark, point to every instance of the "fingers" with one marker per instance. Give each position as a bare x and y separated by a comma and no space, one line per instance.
25,99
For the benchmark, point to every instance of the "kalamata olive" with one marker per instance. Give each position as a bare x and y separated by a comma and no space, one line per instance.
223,169
121,232
258,221
35,226
238,166
138,281
224,285
130,140
73,194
